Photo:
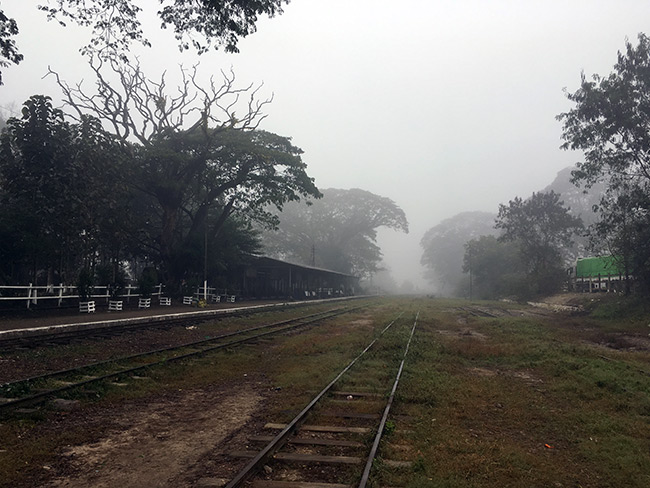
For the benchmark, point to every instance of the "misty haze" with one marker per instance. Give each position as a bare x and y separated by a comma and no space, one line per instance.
436,214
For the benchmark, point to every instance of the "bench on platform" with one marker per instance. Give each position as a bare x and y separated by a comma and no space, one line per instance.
115,305
165,301
144,303
87,307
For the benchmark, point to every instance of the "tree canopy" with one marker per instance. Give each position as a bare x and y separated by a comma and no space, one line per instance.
60,184
444,246
172,175
496,268
610,123
336,232
9,53
543,228
116,24
197,161
198,179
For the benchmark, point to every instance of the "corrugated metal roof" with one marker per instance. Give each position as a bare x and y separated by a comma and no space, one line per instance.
303,266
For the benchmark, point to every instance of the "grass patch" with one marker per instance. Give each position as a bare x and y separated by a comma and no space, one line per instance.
520,402
616,307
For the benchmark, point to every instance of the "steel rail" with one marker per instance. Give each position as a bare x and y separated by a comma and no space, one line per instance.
280,439
160,350
384,418
106,329
11,338
44,394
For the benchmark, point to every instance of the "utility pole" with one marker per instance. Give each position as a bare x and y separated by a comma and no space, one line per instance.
205,263
469,251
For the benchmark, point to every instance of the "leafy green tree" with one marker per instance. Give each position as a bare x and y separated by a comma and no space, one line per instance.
199,179
542,227
496,268
36,175
610,123
444,247
8,49
59,181
104,195
200,24
337,232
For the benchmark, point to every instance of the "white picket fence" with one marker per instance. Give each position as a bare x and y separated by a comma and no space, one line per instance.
210,295
31,295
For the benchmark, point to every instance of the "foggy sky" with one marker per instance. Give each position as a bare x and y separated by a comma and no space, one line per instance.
443,106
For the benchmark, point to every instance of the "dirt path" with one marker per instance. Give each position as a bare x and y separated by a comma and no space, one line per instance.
153,445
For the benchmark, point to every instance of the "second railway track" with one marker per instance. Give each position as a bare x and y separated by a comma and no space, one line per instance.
102,329
28,391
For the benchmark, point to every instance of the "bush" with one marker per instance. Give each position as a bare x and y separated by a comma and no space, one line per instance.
147,282
85,283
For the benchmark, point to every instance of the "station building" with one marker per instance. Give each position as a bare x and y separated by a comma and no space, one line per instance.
270,278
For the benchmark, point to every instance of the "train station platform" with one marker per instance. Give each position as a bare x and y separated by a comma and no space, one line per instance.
32,323
42,321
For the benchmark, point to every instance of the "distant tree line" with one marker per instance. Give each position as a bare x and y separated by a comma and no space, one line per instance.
336,232
528,257
532,241
520,252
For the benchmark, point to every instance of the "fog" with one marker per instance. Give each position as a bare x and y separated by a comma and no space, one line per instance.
443,106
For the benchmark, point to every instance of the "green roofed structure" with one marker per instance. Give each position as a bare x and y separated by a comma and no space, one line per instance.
604,273
601,266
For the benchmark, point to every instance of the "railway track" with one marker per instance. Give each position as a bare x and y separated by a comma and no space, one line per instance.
48,338
480,312
334,441
57,335
36,389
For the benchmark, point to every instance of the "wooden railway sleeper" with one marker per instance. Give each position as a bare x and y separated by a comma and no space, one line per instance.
289,431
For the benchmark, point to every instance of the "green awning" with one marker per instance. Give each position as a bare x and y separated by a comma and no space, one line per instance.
603,266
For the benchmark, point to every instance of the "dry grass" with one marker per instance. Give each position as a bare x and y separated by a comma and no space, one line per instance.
527,403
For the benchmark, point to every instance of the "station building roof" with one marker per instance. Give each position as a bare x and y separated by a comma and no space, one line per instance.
277,263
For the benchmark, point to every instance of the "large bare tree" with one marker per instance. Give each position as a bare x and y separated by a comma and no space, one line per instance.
198,149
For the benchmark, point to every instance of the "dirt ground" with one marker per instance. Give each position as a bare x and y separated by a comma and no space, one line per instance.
171,441
154,445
